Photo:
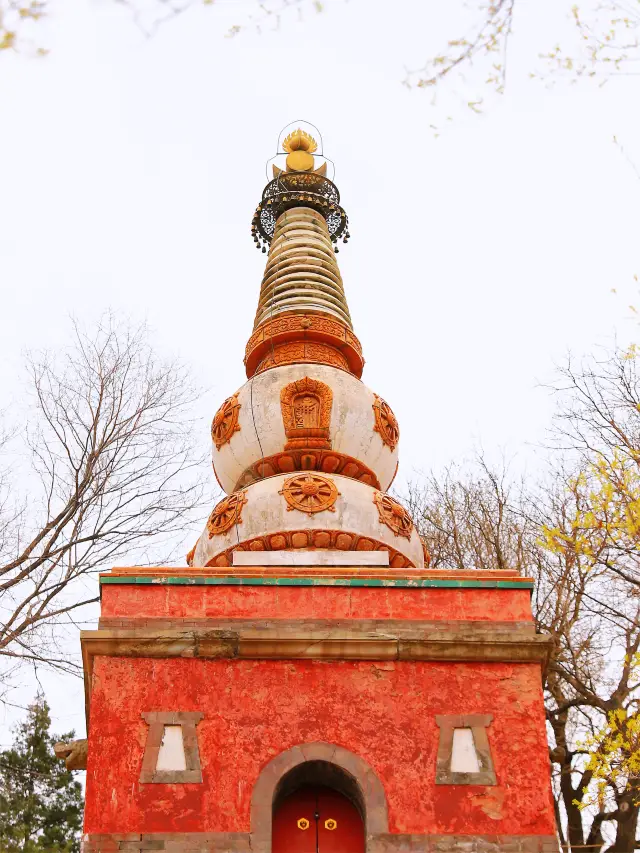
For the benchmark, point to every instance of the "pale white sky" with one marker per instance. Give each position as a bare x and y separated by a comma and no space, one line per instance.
132,166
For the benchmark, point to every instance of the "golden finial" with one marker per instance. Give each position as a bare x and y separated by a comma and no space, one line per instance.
299,146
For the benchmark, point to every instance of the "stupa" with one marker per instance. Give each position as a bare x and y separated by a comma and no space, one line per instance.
307,684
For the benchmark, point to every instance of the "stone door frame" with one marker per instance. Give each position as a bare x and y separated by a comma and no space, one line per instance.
374,801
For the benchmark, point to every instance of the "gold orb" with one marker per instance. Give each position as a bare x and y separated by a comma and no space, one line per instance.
299,161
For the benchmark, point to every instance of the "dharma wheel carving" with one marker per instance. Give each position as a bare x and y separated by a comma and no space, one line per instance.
386,423
310,493
225,422
226,514
393,514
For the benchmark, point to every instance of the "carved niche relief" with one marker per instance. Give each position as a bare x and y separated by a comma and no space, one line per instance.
225,423
386,423
306,414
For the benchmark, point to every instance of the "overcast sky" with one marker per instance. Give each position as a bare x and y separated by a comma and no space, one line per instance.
478,258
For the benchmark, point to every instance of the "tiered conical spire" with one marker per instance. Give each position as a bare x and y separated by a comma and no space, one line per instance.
304,450
302,315
302,272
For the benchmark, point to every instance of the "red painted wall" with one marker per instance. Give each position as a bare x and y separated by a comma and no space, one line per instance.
383,712
247,602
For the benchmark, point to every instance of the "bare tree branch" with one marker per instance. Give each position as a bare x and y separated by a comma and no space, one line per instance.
114,473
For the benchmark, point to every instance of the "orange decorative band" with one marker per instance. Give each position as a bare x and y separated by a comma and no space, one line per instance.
305,328
303,352
329,540
308,459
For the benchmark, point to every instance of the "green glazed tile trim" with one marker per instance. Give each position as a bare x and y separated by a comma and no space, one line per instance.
402,583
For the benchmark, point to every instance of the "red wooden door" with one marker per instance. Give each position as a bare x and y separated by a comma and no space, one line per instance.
317,820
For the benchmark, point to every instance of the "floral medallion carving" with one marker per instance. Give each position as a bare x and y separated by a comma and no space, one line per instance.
310,493
191,555
226,514
393,514
386,423
225,422
306,413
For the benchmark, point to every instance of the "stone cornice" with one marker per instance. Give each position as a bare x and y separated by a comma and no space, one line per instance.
386,640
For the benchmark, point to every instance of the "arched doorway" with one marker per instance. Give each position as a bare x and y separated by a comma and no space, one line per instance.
316,764
317,819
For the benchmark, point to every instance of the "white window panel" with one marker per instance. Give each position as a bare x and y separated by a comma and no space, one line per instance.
464,758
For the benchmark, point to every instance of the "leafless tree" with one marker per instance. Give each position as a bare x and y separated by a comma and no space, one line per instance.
480,517
598,423
607,40
111,473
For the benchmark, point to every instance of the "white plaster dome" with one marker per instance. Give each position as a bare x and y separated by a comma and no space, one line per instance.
304,417
308,510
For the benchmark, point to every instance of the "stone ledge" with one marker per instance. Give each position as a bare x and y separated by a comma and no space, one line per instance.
298,640
408,629
237,842
390,843
322,640
338,576
171,842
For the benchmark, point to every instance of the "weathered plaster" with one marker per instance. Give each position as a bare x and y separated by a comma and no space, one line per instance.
255,709
328,602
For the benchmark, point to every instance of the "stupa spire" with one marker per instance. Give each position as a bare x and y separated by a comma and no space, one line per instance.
302,271
302,314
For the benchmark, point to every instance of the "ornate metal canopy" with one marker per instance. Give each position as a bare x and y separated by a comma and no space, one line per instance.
299,189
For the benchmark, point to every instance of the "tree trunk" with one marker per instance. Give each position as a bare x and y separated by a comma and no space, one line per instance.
627,825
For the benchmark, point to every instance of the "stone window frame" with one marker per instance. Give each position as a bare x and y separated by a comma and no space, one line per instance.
478,724
157,720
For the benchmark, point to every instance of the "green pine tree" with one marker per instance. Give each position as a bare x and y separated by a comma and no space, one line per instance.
40,802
